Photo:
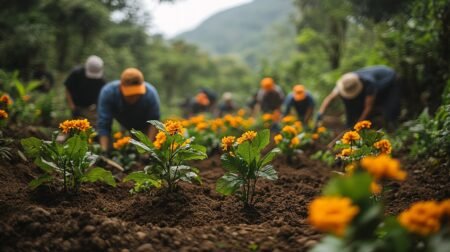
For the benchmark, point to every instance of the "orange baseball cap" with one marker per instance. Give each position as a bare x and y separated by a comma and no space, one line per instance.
132,82
202,99
267,84
299,92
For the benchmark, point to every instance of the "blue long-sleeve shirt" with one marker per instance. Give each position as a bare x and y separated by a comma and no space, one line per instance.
111,105
300,106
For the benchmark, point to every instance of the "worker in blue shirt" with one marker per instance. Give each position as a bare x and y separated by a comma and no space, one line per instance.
302,101
366,92
131,101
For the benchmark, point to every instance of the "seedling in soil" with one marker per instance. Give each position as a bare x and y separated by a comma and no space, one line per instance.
245,165
169,154
69,162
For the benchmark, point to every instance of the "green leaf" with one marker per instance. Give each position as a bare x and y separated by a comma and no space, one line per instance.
141,178
99,174
245,151
39,181
232,164
330,244
31,146
267,172
142,137
261,140
141,147
192,152
159,125
345,186
46,166
228,184
269,156
75,147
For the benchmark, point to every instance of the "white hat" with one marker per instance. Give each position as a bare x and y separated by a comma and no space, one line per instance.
94,67
227,96
349,85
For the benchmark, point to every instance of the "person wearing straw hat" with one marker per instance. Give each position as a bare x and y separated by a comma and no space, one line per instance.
366,92
83,87
131,101
302,101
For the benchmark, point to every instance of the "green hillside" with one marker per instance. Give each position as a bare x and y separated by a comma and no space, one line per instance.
252,31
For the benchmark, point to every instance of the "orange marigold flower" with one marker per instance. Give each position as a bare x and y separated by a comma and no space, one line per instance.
375,188
290,130
160,139
227,142
346,152
241,112
445,205
118,135
289,119
298,126
362,125
197,119
350,136
79,125
122,142
5,99
216,124
422,218
350,168
278,138
201,126
173,127
247,136
384,146
3,114
332,214
295,142
321,130
383,166
315,136
267,117
26,98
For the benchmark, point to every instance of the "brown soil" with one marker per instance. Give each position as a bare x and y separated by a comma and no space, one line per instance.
195,218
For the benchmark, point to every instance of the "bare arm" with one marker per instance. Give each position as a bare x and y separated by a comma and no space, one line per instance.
327,101
152,132
70,100
104,143
368,106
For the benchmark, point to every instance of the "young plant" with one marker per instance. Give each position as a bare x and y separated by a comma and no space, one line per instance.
168,154
362,142
69,162
124,153
245,165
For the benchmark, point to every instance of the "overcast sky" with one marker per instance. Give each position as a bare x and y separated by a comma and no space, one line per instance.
172,19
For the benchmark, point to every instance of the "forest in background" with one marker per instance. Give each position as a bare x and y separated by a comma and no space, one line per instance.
332,37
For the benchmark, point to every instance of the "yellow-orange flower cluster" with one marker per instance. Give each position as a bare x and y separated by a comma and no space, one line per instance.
290,130
383,166
315,136
3,114
160,139
350,136
233,121
247,136
267,117
173,127
295,142
321,130
289,119
422,218
375,188
362,125
5,99
346,152
216,124
121,142
80,125
332,214
227,142
384,146
445,205
118,135
278,138
201,126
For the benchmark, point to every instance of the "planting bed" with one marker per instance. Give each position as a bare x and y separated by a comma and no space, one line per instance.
196,218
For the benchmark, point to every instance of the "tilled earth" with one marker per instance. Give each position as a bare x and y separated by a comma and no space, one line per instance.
195,218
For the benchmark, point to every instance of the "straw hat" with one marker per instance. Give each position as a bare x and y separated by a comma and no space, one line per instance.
349,85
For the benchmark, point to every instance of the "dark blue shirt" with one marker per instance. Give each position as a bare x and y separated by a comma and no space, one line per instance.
375,79
111,105
300,106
